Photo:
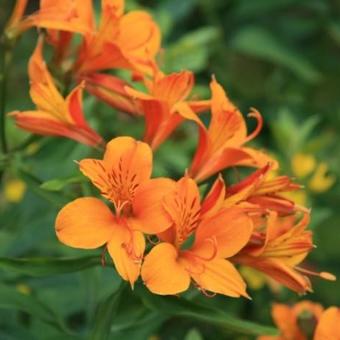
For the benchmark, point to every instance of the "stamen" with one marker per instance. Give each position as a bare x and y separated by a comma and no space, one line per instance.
129,248
323,275
204,291
198,272
255,114
149,237
213,241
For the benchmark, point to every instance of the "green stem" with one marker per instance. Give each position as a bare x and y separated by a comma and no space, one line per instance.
5,63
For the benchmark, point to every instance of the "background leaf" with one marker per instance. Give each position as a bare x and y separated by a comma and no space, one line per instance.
48,266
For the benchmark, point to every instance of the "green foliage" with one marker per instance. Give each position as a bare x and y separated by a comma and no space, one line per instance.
281,57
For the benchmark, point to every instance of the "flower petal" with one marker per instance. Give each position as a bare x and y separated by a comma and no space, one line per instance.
218,276
227,123
214,199
174,87
328,326
162,273
286,321
126,248
231,229
149,214
85,223
133,157
127,163
280,272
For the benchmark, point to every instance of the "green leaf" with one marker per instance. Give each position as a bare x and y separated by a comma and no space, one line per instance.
34,184
59,183
42,266
245,8
187,309
258,42
105,315
191,52
11,299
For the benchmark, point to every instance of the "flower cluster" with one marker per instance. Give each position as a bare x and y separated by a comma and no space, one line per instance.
305,320
200,237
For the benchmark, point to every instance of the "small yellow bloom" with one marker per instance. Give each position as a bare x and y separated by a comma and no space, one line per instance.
14,190
153,337
32,149
320,181
303,164
23,289
298,197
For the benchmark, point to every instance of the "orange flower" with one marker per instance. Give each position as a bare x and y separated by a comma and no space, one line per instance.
123,177
165,105
55,116
222,144
294,321
328,326
305,320
172,264
259,193
276,248
112,90
129,41
68,16
17,14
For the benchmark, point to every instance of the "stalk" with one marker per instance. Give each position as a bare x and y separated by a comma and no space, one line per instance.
6,57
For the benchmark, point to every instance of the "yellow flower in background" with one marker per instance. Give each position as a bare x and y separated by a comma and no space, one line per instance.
14,190
298,197
32,149
303,164
23,289
320,181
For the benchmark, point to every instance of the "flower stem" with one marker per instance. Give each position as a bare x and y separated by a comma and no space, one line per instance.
6,56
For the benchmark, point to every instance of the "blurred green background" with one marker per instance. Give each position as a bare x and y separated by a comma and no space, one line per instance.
281,57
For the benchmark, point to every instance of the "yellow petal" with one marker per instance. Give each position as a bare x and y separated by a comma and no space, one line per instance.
320,181
303,164
14,190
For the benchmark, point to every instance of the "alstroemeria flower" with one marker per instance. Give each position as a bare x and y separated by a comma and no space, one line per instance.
222,144
166,104
172,264
112,90
16,17
277,247
258,192
305,320
123,177
54,116
292,321
129,41
70,16
328,326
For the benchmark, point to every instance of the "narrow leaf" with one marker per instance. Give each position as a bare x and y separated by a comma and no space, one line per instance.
184,308
42,266
10,298
258,42
105,315
58,184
